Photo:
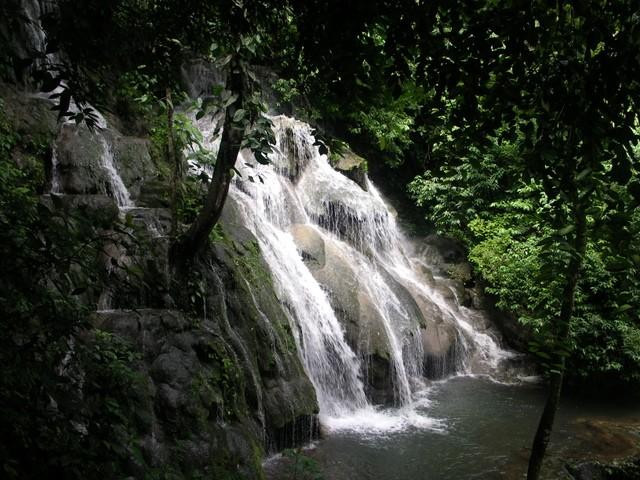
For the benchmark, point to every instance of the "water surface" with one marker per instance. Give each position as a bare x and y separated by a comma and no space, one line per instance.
480,430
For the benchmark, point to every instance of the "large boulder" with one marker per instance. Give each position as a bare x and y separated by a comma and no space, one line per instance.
82,159
29,113
79,158
310,244
362,322
373,346
438,336
133,161
341,283
441,349
352,166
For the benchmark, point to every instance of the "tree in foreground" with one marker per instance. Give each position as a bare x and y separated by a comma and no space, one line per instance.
560,81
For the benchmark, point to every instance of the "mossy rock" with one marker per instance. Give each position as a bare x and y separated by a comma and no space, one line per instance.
29,113
353,166
133,161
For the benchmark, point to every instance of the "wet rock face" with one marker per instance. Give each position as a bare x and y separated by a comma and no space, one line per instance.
29,113
295,155
364,328
353,167
311,245
363,324
133,161
81,161
224,381
78,162
441,348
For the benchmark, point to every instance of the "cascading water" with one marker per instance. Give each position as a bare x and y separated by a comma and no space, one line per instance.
113,184
300,190
332,366
118,189
55,173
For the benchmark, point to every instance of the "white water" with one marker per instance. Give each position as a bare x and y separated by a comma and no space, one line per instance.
301,188
118,189
34,39
115,186
55,172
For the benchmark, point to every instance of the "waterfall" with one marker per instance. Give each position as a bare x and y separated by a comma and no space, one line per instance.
55,170
113,184
118,189
300,191
332,366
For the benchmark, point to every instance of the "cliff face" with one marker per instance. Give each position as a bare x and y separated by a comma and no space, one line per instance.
222,384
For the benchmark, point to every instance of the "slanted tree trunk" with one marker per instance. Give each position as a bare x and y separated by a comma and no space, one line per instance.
189,244
541,440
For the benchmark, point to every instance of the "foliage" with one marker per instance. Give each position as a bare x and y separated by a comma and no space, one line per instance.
504,220
367,95
195,156
300,466
391,123
66,392
220,383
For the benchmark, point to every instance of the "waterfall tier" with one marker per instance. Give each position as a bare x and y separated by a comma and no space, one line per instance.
370,321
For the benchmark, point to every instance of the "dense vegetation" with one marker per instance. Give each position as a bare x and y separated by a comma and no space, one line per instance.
504,219
78,383
521,119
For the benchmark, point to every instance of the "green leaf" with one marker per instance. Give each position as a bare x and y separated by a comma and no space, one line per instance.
544,355
566,230
583,174
238,115
261,157
624,308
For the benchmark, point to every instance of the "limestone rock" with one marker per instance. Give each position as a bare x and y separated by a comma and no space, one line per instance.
133,161
29,113
437,339
440,347
352,166
311,245
79,157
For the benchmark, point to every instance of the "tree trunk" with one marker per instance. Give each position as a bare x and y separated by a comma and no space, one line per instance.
541,440
172,159
188,245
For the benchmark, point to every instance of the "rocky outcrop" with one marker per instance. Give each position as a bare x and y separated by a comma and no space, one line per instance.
132,160
78,162
29,113
446,259
83,156
222,383
352,166
364,326
225,384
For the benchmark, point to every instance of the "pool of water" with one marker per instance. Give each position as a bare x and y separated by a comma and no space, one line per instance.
474,429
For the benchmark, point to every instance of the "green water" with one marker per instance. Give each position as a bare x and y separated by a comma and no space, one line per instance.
487,430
